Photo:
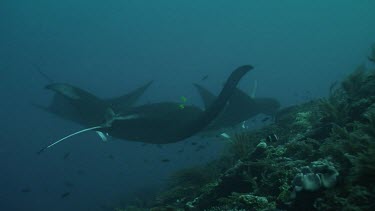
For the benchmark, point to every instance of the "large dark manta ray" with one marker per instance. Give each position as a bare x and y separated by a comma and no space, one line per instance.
158,123
163,123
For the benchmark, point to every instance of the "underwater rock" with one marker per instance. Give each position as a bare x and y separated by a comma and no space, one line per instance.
256,202
259,151
307,181
233,180
320,174
326,171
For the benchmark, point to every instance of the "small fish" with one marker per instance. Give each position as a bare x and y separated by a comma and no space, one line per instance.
199,148
26,190
64,195
204,77
182,105
265,119
181,150
111,157
183,99
194,143
80,172
66,155
68,184
37,67
165,160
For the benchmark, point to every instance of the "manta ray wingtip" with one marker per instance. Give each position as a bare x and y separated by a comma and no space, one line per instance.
247,67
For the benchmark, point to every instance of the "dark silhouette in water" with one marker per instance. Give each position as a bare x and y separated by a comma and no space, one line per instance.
240,107
163,123
77,105
204,77
64,195
158,123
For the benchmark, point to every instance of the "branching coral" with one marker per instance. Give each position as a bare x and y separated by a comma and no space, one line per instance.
351,198
334,110
370,116
241,145
301,149
363,171
194,176
360,84
352,85
349,102
372,56
187,183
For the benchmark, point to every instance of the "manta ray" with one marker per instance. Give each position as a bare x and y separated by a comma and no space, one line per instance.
79,106
240,107
156,123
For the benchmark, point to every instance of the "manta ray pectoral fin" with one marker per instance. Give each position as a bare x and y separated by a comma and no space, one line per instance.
41,107
128,99
64,89
68,136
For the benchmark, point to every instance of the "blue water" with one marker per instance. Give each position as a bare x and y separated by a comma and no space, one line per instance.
298,49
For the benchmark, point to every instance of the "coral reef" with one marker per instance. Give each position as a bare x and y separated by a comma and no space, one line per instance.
322,157
372,56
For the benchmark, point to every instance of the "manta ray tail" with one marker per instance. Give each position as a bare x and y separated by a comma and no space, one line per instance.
68,136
